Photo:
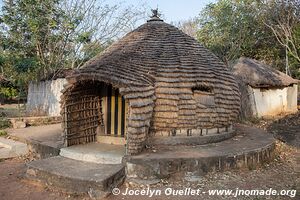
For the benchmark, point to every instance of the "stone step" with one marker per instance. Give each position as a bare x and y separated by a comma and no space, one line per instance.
111,140
76,177
44,141
95,152
10,148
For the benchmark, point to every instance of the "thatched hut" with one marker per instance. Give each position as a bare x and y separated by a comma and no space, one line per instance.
156,82
264,90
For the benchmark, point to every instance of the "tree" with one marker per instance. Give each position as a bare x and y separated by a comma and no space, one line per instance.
189,27
231,29
43,36
283,18
99,24
29,30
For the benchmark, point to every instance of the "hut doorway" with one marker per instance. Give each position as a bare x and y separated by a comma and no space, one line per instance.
93,110
113,111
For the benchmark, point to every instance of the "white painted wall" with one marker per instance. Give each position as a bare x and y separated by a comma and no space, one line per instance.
275,101
43,97
292,95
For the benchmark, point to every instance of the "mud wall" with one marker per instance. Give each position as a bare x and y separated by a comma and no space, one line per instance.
43,97
270,102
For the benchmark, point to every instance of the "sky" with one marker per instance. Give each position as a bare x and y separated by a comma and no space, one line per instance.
172,10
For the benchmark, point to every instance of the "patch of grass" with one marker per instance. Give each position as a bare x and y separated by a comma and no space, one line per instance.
3,133
12,110
254,120
4,123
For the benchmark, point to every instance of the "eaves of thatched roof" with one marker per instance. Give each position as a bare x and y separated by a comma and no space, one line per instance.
259,75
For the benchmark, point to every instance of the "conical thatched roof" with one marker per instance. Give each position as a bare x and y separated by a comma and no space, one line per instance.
157,68
139,57
258,74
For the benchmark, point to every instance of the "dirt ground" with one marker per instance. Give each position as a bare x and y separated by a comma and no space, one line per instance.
14,187
286,129
282,173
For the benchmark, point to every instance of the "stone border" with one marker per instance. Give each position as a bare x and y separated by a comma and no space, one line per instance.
34,121
193,140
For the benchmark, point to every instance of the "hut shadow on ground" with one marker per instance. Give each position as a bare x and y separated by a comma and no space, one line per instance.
287,129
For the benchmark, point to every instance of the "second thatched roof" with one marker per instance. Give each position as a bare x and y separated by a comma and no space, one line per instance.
260,75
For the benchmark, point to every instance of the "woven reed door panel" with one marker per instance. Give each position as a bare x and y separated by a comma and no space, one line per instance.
83,120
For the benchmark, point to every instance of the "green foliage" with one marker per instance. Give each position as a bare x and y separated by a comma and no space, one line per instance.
38,38
3,133
84,37
4,123
8,92
232,29
294,64
283,18
26,25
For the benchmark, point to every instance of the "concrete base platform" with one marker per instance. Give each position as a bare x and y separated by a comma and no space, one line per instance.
76,177
10,148
95,152
249,149
44,140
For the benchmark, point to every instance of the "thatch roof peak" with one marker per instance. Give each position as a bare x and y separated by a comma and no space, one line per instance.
259,74
155,16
